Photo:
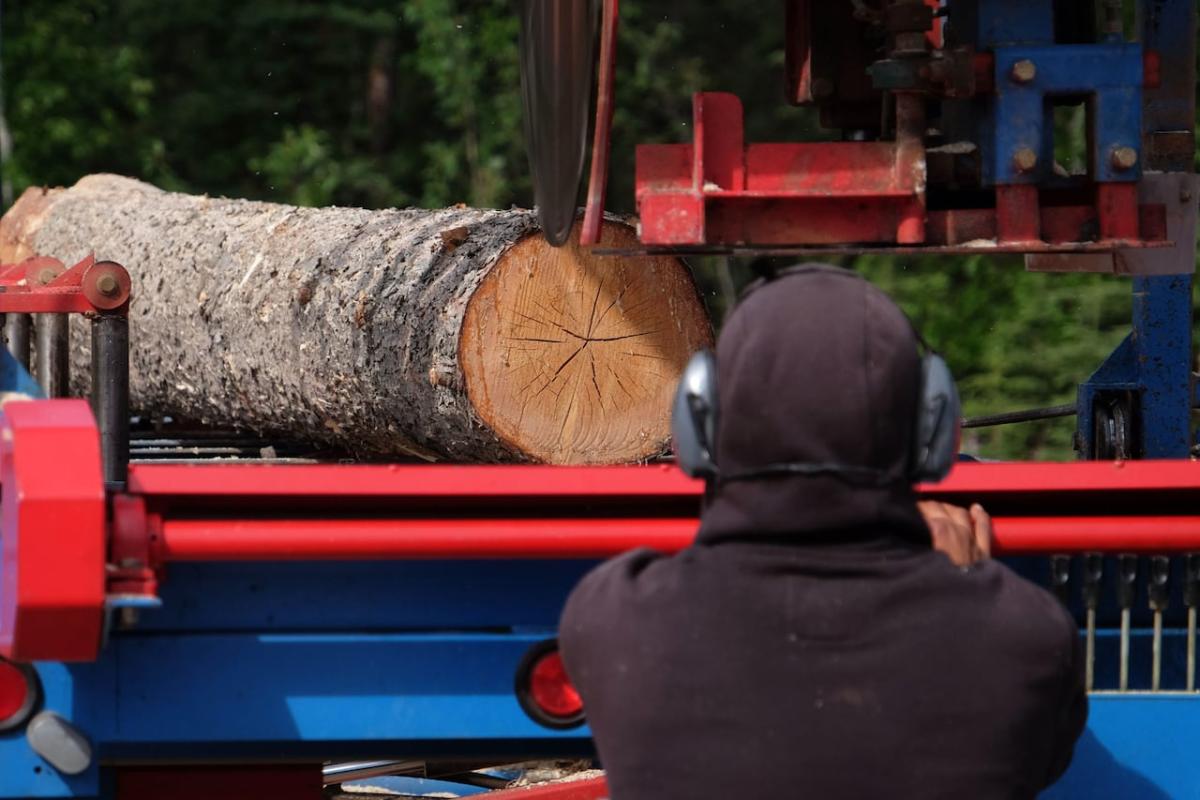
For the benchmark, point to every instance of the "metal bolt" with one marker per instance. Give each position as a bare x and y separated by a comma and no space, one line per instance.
1124,157
107,285
1024,160
46,275
1185,196
1023,71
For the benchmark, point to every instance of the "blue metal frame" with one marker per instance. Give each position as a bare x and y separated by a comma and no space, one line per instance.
1153,362
261,662
1108,75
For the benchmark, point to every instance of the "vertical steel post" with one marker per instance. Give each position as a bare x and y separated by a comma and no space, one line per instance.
16,334
1162,325
1162,317
53,353
110,393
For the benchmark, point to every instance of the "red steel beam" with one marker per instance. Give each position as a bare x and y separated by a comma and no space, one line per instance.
363,539
1046,535
228,481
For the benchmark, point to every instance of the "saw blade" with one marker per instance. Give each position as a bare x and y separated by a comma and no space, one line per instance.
558,43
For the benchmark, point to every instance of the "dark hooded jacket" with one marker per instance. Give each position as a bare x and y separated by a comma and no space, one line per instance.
811,643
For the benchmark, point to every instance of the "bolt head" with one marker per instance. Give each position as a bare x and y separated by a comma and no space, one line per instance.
1124,157
45,276
107,285
1023,71
1024,160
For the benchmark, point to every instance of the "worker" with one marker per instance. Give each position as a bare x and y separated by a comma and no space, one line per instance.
826,636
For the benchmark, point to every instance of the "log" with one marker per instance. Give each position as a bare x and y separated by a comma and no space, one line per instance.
455,333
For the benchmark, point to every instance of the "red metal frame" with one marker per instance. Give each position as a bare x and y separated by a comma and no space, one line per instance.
44,285
718,191
55,573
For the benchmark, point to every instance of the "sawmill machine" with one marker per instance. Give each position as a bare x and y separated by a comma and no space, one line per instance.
195,628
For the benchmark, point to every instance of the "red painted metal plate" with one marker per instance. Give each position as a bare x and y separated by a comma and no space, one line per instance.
52,543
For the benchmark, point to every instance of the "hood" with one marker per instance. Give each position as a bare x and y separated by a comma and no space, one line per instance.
815,366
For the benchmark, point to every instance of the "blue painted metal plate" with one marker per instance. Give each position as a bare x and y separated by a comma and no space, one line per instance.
1137,747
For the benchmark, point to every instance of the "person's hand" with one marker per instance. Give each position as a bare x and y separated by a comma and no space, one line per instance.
964,535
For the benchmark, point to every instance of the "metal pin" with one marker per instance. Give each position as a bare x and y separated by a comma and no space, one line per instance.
1060,577
1093,571
1160,570
1127,568
1191,597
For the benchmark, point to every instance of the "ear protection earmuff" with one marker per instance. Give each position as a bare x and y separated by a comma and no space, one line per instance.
694,417
933,449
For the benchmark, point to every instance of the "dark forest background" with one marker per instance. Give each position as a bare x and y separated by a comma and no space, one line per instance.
417,102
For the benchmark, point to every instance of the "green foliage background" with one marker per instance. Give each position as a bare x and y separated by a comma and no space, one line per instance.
399,102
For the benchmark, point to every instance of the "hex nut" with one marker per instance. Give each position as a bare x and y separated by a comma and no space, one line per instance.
1024,160
1024,71
1124,157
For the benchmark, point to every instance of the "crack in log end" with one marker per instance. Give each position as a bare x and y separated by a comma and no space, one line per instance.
573,359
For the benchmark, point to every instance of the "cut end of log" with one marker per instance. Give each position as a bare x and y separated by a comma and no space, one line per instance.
573,358
22,221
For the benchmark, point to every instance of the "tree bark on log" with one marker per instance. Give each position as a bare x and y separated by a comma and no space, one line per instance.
454,333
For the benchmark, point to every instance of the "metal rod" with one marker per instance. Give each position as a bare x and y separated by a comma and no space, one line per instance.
361,770
1012,417
16,334
53,354
1124,677
1031,535
110,393
1093,572
1191,649
1191,599
279,533
1156,666
300,539
1160,571
1090,651
1127,566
